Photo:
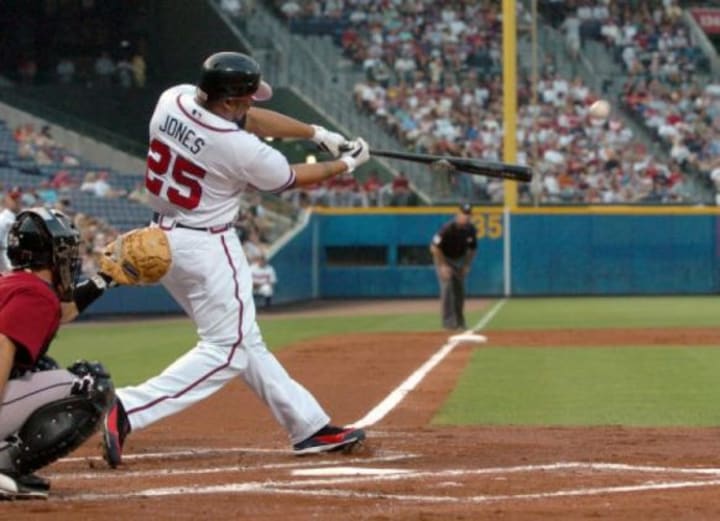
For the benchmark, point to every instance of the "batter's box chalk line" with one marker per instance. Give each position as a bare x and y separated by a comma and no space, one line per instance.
315,487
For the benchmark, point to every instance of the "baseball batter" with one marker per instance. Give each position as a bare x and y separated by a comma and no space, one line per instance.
45,411
204,151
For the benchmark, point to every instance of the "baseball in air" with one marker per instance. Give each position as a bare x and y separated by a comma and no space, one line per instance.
600,109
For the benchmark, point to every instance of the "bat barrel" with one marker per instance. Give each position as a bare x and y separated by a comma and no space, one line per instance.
471,166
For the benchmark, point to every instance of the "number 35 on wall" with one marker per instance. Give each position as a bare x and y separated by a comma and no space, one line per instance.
489,225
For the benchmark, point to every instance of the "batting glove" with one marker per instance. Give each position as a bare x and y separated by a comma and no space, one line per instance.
357,154
329,141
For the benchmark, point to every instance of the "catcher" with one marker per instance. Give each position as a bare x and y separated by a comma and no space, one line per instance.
45,411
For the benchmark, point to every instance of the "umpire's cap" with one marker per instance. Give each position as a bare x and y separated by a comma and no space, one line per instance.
232,74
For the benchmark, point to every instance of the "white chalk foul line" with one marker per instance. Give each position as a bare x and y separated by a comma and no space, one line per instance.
300,486
399,393
181,454
487,317
300,463
580,492
273,487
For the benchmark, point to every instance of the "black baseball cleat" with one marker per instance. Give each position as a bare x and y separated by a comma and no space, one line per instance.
116,427
34,481
329,439
25,487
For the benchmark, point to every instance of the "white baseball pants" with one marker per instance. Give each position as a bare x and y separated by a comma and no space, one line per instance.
210,279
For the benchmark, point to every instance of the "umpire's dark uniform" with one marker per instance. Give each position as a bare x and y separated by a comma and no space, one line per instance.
453,248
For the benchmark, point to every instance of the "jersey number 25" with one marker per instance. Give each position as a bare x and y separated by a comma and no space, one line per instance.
184,189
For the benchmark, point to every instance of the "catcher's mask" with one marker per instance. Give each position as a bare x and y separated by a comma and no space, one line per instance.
41,238
232,74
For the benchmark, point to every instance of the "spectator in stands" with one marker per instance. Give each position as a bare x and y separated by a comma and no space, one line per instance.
252,244
139,70
88,184
139,193
65,206
104,69
95,233
63,181
260,218
124,73
571,26
12,204
29,198
290,9
232,8
264,279
65,70
98,184
47,194
27,70
402,195
372,186
715,178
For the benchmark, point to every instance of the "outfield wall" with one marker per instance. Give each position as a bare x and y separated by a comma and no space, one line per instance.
384,253
603,251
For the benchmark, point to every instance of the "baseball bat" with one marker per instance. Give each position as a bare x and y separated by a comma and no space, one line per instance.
463,164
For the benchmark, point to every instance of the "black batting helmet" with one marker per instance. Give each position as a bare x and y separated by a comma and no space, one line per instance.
41,238
232,74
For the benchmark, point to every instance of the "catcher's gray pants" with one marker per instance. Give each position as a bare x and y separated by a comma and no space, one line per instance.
452,295
26,394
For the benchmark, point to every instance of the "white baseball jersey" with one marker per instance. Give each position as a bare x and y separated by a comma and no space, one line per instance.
198,163
7,218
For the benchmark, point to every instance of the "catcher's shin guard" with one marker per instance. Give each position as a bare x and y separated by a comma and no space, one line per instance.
51,432
59,427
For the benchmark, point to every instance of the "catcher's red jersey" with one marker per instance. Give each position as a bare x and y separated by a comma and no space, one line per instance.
29,315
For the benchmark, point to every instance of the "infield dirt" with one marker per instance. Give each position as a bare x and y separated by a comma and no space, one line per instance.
435,473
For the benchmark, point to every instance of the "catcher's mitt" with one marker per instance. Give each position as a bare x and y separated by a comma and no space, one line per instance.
140,256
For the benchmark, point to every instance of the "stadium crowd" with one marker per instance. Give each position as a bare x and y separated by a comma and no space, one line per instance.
433,80
667,88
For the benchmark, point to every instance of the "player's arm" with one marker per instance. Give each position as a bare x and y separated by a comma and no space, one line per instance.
469,257
7,357
85,293
311,173
268,123
439,257
357,153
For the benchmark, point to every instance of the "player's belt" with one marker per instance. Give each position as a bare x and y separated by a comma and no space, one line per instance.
160,220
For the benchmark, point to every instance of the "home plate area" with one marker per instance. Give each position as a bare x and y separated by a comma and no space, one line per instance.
402,477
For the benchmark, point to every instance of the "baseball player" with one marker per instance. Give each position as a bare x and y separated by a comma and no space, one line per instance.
45,411
11,203
204,151
264,279
453,249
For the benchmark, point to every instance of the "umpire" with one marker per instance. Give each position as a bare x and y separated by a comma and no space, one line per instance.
453,249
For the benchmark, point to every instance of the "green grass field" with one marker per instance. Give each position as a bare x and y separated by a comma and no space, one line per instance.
654,386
